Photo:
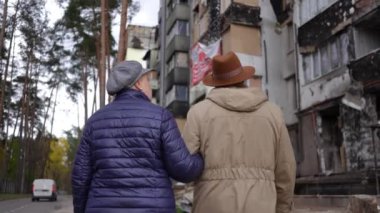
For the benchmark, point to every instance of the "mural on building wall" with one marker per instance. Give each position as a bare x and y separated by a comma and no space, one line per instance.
201,56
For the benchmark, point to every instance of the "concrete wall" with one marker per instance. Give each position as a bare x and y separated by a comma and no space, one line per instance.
325,88
242,39
309,163
357,136
275,52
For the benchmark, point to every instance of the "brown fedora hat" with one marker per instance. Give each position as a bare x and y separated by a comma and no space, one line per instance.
227,70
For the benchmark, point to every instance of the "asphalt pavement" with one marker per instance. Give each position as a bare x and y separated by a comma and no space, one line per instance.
25,205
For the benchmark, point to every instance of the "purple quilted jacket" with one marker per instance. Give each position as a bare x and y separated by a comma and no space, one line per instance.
129,151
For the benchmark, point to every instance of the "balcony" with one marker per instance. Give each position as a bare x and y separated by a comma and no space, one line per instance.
177,44
238,13
235,13
327,23
366,68
367,12
177,100
177,76
180,12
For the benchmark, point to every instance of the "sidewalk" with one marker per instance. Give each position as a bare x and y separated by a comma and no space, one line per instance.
335,204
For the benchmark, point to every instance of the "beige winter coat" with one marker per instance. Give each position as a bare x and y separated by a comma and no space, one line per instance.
249,160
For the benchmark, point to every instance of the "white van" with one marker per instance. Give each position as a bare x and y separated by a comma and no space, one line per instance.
44,189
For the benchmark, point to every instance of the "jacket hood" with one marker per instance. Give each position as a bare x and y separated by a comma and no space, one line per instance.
238,99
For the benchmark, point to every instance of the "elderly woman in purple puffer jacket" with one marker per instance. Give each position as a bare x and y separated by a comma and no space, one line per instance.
129,151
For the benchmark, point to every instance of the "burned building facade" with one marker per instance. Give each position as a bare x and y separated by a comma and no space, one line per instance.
338,67
174,73
319,60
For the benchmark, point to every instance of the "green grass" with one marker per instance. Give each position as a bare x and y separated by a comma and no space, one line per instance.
12,196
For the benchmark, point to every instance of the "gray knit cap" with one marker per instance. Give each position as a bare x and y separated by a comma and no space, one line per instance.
124,75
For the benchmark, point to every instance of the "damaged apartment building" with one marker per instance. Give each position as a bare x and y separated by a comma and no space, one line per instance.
174,44
319,60
339,89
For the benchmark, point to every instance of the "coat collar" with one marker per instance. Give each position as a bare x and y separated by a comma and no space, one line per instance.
131,94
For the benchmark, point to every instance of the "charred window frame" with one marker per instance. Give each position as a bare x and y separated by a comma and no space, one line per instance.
329,57
331,140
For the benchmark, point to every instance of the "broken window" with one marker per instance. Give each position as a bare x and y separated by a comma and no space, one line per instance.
316,65
335,55
307,67
327,58
344,42
331,140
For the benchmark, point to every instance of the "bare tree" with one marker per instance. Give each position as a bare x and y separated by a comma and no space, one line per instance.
85,83
102,71
24,121
3,103
3,24
122,49
2,32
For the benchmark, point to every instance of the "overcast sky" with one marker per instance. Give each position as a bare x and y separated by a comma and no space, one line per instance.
148,15
67,111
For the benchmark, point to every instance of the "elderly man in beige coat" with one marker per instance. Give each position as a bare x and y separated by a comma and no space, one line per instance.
249,160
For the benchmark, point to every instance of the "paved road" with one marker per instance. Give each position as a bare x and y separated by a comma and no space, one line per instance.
63,205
